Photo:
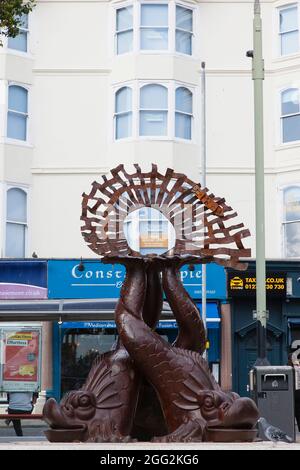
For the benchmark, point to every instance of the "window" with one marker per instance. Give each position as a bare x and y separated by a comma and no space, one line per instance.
148,26
123,113
183,113
20,42
154,27
124,30
291,221
16,223
153,110
184,30
290,115
289,30
165,111
17,115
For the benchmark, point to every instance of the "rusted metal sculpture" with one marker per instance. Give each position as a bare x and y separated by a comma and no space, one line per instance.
168,388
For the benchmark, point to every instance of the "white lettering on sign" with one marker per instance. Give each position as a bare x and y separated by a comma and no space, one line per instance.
99,274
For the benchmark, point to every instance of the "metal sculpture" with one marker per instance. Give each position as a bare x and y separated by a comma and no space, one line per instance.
168,388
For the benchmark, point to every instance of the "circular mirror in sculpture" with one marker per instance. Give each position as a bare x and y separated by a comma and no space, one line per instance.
202,222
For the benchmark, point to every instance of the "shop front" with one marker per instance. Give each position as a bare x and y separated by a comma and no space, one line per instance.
283,326
91,286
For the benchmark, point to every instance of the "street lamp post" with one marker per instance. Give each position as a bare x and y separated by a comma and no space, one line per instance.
258,75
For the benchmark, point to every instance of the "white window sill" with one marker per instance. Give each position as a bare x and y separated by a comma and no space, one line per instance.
15,142
287,58
156,52
176,140
287,146
24,55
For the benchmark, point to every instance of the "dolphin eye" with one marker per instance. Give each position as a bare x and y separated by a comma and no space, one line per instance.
84,401
209,402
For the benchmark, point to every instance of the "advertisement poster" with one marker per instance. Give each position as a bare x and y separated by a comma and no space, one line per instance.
21,360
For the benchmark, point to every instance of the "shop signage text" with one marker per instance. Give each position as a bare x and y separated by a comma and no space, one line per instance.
244,284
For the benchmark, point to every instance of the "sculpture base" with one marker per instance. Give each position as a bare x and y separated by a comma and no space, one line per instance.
230,435
65,435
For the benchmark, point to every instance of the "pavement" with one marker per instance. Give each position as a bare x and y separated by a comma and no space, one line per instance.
34,439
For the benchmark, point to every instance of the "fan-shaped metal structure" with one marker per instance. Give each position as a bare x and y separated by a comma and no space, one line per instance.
202,221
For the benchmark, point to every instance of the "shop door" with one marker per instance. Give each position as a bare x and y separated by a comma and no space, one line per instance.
247,354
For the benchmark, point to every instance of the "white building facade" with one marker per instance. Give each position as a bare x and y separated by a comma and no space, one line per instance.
90,84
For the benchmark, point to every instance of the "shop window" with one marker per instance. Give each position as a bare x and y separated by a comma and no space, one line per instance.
20,42
153,110
289,30
123,113
16,223
291,222
124,30
183,113
17,115
290,115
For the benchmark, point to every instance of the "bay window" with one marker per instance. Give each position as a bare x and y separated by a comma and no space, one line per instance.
183,113
154,26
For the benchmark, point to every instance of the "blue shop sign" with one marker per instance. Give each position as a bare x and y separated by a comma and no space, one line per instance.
97,280
23,280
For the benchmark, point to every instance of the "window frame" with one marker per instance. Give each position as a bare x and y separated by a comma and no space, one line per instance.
27,31
281,8
161,110
118,32
25,189
171,86
177,86
128,112
11,139
282,117
179,4
284,222
171,27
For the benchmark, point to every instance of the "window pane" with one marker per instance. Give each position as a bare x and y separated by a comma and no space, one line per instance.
184,18
184,100
290,101
288,19
184,42
124,42
290,43
292,204
15,241
183,126
154,39
154,97
292,240
17,98
123,100
124,18
291,128
153,123
16,209
123,126
16,126
19,43
154,15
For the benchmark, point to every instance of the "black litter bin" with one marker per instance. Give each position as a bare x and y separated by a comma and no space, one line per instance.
273,389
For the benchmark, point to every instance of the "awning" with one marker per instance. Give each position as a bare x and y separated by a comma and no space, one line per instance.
212,314
294,321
